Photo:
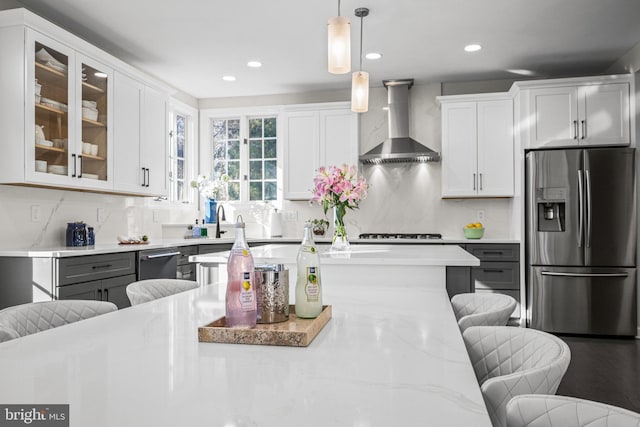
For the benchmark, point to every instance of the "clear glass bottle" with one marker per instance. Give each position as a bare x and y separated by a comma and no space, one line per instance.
308,284
195,231
241,308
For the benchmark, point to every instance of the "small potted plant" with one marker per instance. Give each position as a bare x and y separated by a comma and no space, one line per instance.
319,226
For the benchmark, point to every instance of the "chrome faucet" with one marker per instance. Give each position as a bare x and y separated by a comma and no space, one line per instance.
218,219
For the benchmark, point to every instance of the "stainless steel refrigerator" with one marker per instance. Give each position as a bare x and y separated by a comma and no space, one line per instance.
581,241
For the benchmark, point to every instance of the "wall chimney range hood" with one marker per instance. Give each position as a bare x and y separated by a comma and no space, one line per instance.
399,147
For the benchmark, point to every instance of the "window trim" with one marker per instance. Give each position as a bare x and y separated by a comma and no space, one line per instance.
192,145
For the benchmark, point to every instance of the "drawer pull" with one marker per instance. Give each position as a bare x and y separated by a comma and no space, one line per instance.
493,270
102,266
493,252
553,273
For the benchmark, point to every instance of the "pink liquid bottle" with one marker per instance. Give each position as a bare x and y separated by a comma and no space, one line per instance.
241,309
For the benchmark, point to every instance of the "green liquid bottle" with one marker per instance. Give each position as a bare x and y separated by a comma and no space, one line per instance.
308,283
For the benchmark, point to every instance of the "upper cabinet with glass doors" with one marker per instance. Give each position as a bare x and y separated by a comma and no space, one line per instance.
71,116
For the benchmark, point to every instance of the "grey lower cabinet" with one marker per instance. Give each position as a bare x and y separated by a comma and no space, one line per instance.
499,272
101,277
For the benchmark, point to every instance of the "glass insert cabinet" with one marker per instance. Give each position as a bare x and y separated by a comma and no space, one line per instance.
70,117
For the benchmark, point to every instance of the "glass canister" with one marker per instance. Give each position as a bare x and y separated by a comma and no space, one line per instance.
272,286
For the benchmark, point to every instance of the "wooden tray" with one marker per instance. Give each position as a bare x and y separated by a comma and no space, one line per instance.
295,332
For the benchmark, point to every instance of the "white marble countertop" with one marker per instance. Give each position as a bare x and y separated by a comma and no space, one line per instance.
422,255
390,356
114,247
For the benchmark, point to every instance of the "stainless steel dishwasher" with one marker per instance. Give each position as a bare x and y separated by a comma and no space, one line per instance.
158,263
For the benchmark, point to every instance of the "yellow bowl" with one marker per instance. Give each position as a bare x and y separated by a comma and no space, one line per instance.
473,233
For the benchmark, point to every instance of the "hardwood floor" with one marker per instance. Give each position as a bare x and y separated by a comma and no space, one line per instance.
603,369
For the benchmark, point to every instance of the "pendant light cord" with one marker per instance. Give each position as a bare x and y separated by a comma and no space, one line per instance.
338,7
361,26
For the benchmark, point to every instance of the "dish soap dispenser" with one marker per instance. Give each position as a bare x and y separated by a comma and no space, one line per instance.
240,299
308,284
196,230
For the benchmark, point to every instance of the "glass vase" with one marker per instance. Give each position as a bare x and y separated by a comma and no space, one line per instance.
210,206
340,241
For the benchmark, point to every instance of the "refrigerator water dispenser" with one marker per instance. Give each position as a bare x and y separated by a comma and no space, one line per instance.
551,216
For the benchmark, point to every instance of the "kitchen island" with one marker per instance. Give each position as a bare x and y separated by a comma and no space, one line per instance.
362,264
391,355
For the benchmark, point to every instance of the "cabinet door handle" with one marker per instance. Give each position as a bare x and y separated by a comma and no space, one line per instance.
148,177
474,182
73,156
480,182
144,177
106,294
101,266
575,129
584,129
99,295
493,270
80,173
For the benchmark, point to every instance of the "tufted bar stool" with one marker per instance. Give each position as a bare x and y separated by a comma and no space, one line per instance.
535,410
152,289
26,319
510,361
482,309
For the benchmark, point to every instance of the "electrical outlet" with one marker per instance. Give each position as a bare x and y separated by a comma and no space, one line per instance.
290,216
35,213
100,215
480,214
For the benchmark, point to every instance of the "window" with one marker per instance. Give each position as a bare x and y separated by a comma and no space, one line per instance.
181,138
245,148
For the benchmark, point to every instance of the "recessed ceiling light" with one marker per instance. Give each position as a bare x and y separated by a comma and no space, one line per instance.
373,55
100,74
472,48
254,64
229,78
522,72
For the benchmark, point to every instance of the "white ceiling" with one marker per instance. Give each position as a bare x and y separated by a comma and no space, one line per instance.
191,44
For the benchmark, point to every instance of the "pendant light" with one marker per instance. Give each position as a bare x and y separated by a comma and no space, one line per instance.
360,79
339,44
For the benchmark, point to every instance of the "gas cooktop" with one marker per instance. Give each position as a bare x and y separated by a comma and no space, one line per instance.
400,236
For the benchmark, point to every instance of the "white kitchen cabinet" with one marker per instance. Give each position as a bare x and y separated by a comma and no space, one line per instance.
477,146
139,135
576,112
58,86
314,136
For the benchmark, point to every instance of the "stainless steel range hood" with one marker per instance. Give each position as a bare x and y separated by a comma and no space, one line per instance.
399,147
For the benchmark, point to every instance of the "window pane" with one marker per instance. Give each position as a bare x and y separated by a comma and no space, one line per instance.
255,191
180,190
255,169
219,150
233,170
234,150
219,168
270,127
270,192
255,149
270,149
180,168
255,128
234,191
270,169
219,130
234,129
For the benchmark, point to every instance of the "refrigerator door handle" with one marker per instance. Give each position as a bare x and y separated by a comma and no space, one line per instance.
580,209
554,273
587,205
